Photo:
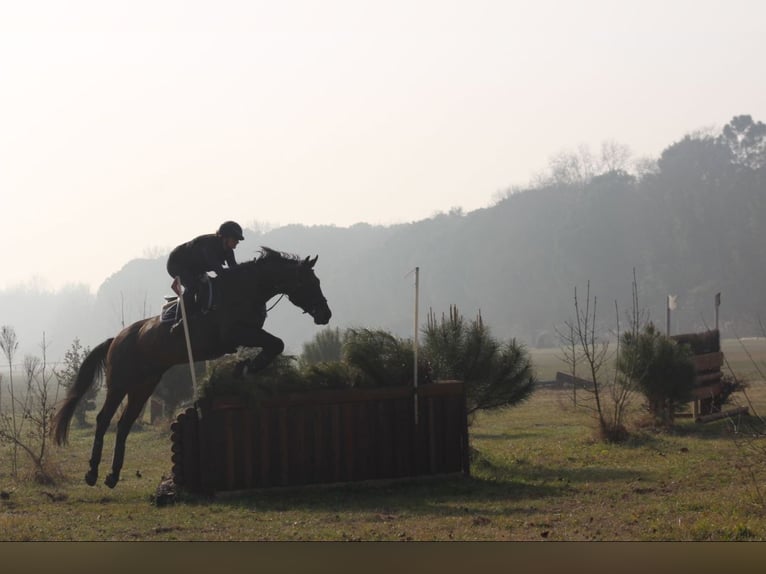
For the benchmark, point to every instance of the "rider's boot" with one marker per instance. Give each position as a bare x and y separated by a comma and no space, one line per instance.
176,327
190,306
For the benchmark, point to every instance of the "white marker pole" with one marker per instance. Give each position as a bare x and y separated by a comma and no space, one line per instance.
415,343
178,289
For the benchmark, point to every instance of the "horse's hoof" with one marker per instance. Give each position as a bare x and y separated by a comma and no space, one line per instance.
90,478
111,481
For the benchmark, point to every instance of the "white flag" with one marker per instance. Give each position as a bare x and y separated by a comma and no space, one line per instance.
672,301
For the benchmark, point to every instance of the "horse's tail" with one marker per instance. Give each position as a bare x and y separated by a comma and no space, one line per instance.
92,366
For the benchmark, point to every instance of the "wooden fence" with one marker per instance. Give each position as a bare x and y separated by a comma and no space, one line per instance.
321,437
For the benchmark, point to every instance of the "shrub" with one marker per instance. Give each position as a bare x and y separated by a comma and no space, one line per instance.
663,370
496,374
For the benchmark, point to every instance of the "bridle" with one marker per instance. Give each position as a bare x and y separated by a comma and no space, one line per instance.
311,310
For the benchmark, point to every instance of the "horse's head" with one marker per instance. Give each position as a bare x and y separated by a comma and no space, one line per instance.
305,292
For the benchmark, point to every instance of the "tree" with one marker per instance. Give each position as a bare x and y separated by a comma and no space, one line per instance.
9,344
496,374
747,141
582,337
578,168
663,370
28,425
73,358
327,346
380,358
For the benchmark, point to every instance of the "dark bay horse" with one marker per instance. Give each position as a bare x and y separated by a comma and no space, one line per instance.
135,359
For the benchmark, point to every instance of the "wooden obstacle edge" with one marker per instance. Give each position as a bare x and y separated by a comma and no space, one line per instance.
721,415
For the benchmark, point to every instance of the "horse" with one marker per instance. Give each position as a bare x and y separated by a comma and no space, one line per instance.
134,360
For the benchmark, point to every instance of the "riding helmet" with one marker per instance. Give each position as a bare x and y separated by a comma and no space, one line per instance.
231,229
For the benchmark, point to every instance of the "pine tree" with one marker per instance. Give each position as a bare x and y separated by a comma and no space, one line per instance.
496,374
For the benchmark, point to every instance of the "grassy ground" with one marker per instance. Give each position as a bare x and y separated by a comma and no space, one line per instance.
537,474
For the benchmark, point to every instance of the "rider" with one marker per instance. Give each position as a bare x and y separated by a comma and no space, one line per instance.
192,260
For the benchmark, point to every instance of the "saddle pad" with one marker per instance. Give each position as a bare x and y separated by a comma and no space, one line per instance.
171,311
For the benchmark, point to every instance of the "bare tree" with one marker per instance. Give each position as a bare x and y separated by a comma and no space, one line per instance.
623,385
579,167
9,343
570,354
592,350
749,432
28,426
615,156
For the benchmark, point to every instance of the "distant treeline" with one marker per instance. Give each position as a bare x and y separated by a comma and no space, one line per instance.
691,223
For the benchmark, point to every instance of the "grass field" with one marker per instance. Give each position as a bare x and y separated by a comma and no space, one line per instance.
537,474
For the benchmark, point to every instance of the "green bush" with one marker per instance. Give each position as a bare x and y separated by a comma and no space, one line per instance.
662,369
496,374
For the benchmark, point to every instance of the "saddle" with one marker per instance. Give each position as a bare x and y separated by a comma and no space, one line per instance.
171,310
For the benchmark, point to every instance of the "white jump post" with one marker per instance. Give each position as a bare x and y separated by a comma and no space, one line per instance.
415,345
178,289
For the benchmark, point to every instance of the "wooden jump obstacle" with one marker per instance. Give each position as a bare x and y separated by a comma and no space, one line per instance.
320,437
709,384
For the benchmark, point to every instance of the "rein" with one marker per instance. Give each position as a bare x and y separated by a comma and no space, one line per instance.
275,303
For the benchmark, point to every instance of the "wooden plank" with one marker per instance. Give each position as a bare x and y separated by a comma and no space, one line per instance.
320,434
284,448
347,432
228,424
297,446
248,449
337,445
708,361
567,379
205,454
385,421
220,464
722,414
432,442
190,446
403,439
707,391
363,469
422,461
708,379
452,434
238,439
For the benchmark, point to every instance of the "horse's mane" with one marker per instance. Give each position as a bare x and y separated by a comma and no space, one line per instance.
269,255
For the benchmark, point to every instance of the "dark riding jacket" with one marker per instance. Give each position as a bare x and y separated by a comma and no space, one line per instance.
200,255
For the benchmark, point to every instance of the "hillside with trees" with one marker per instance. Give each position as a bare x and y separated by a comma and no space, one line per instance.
691,223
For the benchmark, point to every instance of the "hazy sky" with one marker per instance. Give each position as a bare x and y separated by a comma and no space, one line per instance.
133,126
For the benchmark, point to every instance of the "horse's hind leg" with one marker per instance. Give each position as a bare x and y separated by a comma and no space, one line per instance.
136,400
113,400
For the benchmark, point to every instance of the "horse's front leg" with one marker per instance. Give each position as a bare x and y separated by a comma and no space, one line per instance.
270,346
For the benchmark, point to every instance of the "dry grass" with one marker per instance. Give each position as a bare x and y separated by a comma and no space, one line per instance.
537,474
